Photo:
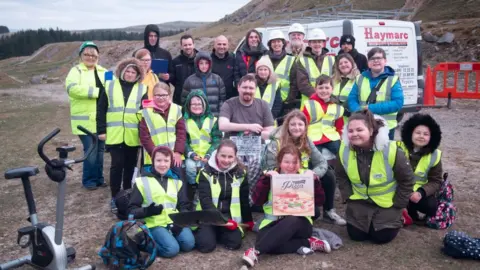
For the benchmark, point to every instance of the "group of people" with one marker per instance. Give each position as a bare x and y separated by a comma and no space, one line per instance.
303,104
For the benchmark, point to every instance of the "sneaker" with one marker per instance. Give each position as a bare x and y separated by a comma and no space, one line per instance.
319,245
332,217
102,185
305,251
113,207
250,257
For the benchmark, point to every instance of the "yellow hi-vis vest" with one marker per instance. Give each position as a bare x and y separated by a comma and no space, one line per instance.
268,94
323,123
342,94
152,191
383,94
382,184
268,210
314,73
305,157
122,121
83,93
283,73
162,134
200,139
216,189
424,165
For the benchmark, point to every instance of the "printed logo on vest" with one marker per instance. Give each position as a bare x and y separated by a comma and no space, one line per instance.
235,184
378,176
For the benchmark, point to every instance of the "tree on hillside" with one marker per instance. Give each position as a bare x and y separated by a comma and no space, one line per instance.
4,29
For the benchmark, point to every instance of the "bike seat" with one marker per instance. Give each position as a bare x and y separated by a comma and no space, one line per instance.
21,172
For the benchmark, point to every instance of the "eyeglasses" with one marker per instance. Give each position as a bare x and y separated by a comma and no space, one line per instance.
146,60
161,96
196,104
90,55
374,59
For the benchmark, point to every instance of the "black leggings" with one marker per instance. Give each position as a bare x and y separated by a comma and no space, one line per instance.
329,186
207,237
124,160
379,237
427,205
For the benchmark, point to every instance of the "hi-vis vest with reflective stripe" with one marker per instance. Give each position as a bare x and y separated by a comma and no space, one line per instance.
314,73
268,210
305,156
122,121
200,139
162,134
268,94
342,94
424,165
152,191
216,189
283,73
383,94
382,184
83,93
323,123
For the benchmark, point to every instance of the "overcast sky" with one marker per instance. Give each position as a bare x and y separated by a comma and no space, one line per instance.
90,14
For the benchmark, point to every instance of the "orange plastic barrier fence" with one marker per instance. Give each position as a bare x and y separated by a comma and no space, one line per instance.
456,80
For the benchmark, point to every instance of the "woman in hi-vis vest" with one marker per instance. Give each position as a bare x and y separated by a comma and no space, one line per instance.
117,123
155,196
162,124
344,75
85,83
223,186
374,177
421,136
150,78
286,234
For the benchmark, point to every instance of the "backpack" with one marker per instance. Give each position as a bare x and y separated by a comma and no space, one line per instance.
121,201
459,245
121,251
446,211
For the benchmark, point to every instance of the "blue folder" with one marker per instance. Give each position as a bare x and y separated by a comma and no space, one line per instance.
160,66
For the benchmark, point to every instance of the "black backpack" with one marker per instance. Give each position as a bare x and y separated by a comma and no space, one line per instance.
121,201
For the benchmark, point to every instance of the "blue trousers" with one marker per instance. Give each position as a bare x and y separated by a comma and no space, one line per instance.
93,165
169,246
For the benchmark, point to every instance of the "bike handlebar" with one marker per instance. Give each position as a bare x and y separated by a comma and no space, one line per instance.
54,133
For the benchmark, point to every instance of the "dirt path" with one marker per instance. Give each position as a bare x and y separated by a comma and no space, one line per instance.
87,217
39,51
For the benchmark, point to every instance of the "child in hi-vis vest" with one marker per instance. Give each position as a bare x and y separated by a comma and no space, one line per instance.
325,116
203,135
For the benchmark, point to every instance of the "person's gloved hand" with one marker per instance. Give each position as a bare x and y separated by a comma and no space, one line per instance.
153,210
176,230
233,225
250,224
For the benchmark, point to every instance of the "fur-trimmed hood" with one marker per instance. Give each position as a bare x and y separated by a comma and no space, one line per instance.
425,120
130,62
381,140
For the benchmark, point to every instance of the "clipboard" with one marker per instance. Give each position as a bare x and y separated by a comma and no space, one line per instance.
159,66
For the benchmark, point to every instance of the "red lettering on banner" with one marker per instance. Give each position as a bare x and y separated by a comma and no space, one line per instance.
370,34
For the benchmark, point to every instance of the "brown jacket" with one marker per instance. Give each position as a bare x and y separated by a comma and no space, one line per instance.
299,79
362,213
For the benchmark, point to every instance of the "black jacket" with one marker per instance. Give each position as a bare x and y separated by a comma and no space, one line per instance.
225,179
156,51
241,65
183,67
360,59
224,68
135,207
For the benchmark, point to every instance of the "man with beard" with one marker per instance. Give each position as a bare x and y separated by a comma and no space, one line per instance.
347,42
248,55
151,43
223,63
246,115
183,66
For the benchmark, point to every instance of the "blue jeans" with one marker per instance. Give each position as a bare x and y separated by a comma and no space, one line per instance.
191,167
168,245
93,165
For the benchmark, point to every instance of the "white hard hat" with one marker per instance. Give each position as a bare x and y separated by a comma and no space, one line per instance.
296,28
275,34
316,34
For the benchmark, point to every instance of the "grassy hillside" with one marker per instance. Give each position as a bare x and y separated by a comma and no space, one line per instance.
168,26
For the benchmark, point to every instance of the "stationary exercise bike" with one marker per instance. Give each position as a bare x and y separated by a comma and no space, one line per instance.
47,250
